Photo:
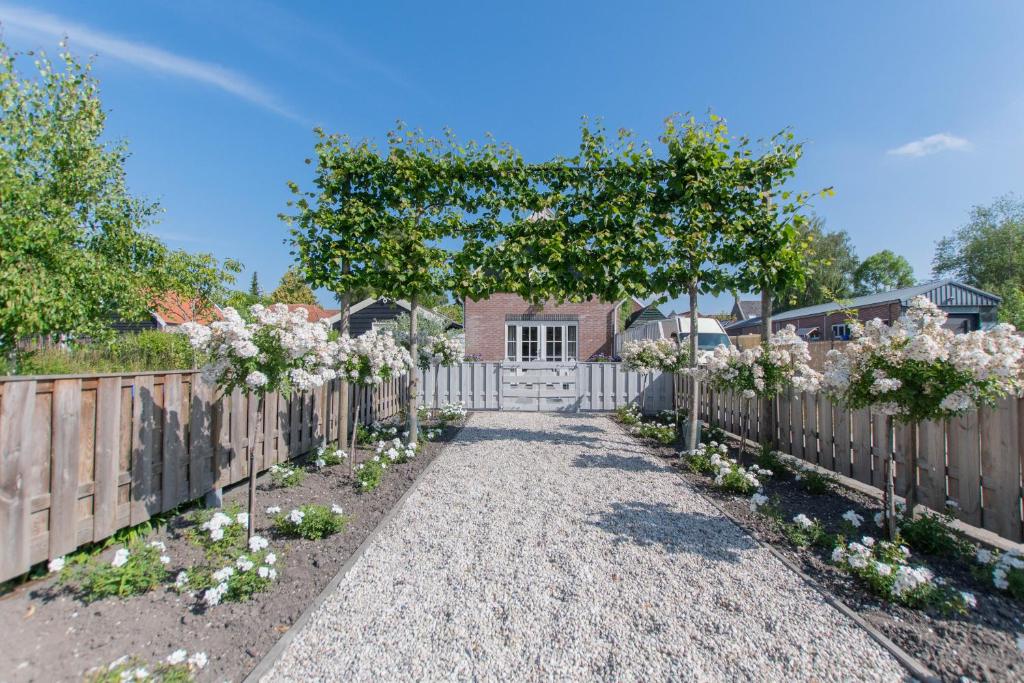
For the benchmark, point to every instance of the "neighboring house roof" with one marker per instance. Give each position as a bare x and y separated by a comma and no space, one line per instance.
649,313
314,313
748,309
170,309
401,303
951,293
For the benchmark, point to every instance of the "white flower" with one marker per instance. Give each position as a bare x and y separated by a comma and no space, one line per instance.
256,379
803,520
177,657
264,572
216,534
853,518
757,500
336,509
56,564
258,543
883,569
320,463
244,564
165,559
243,519
271,558
968,599
181,580
296,516
223,574
198,660
273,509
214,595
120,557
159,545
983,555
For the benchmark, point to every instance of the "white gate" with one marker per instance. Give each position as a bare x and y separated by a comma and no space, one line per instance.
545,386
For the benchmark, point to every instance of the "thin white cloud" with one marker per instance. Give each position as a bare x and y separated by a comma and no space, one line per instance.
29,21
933,144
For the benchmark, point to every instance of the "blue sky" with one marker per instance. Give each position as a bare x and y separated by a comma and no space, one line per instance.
911,110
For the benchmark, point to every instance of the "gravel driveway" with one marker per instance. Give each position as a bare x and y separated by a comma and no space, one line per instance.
553,547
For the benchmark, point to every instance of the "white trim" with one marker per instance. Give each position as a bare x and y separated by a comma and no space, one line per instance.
542,327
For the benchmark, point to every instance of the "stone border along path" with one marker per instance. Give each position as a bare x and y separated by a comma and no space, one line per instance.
554,547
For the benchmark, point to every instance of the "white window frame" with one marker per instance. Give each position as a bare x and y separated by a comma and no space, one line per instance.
844,331
567,344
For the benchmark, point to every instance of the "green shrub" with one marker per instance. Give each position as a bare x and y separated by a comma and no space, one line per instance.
370,473
140,352
1003,571
814,482
179,667
286,476
220,533
700,459
312,522
710,434
770,459
804,532
628,414
135,569
931,534
329,456
663,434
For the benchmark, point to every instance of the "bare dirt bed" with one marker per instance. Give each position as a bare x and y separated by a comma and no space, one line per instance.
49,635
979,646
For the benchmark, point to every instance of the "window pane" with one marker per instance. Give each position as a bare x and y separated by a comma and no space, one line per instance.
510,348
530,345
553,345
570,344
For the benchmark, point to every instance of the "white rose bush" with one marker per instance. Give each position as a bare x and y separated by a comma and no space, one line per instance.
441,351
280,350
647,356
781,363
915,370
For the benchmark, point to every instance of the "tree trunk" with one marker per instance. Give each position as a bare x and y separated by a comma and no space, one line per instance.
694,429
766,332
355,434
253,431
413,421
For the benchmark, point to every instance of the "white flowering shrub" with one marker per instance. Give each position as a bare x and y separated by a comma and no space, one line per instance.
441,351
780,363
237,580
883,567
1004,571
730,476
934,534
378,431
451,412
699,460
220,533
328,455
654,355
372,358
280,350
663,434
179,667
370,473
916,370
804,531
136,568
285,475
629,414
395,451
311,522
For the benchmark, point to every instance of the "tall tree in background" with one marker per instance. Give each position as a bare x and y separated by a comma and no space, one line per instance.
73,253
293,289
830,262
988,253
200,281
881,272
254,285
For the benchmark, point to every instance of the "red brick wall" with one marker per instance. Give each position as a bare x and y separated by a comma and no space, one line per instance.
888,311
485,324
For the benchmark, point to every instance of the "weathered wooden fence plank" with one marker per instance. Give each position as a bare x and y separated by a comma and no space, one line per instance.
143,496
1000,473
201,438
174,444
16,424
67,425
107,452
931,465
965,466
826,434
860,442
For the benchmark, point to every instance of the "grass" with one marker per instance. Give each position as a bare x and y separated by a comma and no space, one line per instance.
141,352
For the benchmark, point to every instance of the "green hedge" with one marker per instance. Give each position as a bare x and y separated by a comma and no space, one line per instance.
140,352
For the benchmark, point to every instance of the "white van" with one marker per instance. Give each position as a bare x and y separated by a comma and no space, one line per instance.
710,332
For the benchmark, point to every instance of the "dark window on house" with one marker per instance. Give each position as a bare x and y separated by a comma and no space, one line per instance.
570,344
529,347
553,348
510,343
841,331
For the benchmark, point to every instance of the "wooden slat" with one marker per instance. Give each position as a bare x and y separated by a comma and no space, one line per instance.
16,420
174,453
269,448
811,427
143,496
881,447
797,424
860,441
201,438
826,438
841,432
965,466
236,451
1000,476
107,467
902,444
67,425
931,465
222,443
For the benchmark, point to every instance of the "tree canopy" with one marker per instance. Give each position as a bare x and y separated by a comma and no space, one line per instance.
881,272
292,289
829,261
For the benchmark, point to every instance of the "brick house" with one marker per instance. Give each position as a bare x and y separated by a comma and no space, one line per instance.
507,327
968,309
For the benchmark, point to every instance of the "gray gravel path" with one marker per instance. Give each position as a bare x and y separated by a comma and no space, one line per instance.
553,547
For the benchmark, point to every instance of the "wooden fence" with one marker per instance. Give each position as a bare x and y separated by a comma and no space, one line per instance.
975,460
84,456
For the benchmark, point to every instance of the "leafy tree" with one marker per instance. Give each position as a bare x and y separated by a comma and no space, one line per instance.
694,211
881,272
452,311
988,253
830,262
200,280
73,253
293,289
